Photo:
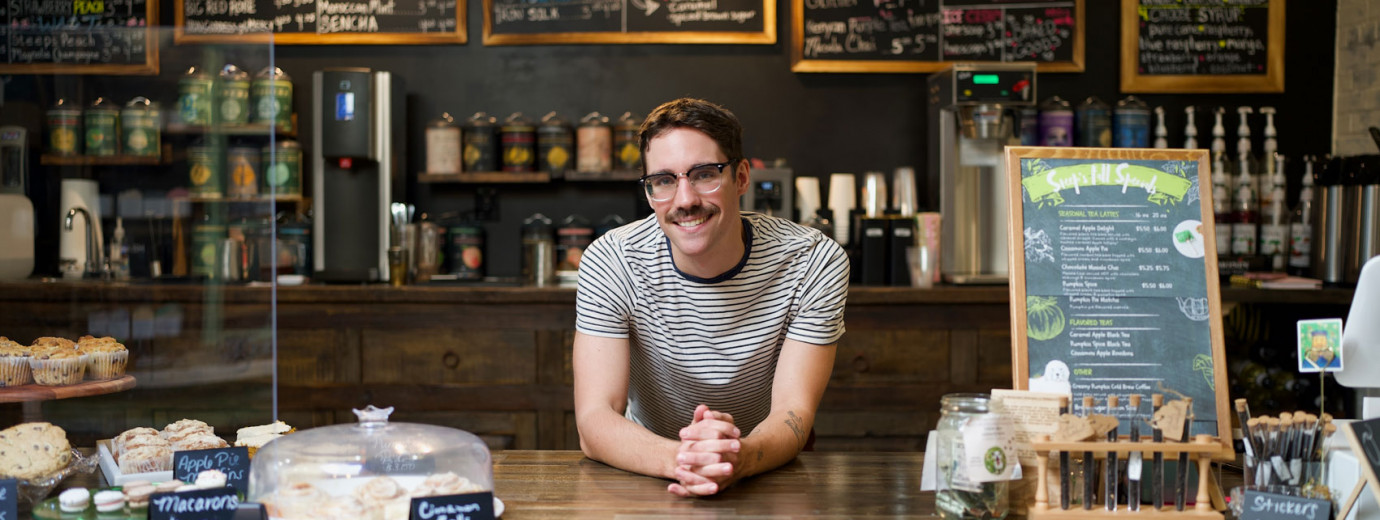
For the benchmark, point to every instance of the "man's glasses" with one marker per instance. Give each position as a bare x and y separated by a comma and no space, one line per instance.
704,178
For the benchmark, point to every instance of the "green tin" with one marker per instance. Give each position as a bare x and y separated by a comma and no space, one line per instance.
204,172
282,169
101,120
243,165
64,129
194,97
141,128
204,240
271,95
232,95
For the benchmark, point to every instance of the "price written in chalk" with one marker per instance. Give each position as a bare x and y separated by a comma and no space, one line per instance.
1157,285
233,461
1149,229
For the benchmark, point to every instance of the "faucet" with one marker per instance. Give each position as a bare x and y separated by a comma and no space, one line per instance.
95,263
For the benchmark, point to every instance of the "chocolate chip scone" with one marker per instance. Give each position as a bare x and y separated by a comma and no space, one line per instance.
33,450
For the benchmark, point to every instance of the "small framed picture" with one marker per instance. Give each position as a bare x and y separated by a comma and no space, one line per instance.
1320,345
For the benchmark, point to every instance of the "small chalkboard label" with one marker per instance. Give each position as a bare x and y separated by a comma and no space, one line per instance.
1269,506
472,506
9,499
234,462
203,504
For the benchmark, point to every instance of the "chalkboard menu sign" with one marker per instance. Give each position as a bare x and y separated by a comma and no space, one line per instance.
1114,287
521,22
1364,439
389,22
1202,46
927,35
79,37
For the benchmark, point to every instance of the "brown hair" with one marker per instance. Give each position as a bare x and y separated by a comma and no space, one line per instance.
713,120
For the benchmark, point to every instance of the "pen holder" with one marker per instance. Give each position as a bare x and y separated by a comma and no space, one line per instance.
1200,452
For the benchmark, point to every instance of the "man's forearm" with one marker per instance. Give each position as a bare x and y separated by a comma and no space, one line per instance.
610,438
774,442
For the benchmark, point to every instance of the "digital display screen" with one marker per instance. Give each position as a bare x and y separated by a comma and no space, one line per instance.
345,106
984,79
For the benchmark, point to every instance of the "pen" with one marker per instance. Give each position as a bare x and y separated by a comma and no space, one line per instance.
1157,466
1181,483
1089,463
1111,470
1133,459
1243,415
1064,468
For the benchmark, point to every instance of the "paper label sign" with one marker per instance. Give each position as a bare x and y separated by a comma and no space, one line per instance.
989,451
9,499
1320,345
204,504
234,462
1269,506
472,506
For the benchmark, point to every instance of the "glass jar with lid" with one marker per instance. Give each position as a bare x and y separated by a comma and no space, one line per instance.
367,470
960,493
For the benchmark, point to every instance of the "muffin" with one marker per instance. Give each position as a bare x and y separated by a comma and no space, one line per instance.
146,459
50,342
58,367
14,363
105,357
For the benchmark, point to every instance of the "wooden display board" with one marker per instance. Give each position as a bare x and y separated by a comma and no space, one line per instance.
321,22
57,37
1114,286
1364,439
929,35
526,22
1202,46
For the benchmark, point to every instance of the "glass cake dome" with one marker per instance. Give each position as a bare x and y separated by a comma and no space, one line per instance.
367,470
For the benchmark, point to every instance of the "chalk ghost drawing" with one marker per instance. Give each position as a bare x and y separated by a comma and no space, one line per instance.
1054,380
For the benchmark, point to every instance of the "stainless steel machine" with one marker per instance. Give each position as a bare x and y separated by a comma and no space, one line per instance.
971,123
357,172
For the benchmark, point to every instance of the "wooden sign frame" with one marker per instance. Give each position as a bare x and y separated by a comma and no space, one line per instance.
459,36
1020,342
1133,81
1368,475
148,68
800,64
766,36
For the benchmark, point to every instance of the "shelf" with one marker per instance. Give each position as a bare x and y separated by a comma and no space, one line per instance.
484,177
36,392
258,198
257,129
107,160
616,175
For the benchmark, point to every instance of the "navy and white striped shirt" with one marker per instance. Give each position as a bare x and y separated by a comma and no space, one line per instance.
713,341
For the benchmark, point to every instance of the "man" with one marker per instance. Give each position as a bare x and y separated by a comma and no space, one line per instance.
704,336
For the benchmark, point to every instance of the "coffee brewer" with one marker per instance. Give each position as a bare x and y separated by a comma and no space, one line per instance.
971,109
357,172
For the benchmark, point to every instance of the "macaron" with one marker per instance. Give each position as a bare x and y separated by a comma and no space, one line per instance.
74,500
186,487
109,501
138,496
169,486
210,479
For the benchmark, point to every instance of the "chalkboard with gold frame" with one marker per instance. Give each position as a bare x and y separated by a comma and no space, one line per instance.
1231,34
405,22
114,41
523,22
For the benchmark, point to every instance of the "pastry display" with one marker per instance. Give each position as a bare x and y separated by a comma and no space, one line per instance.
74,500
255,437
138,497
31,450
57,366
106,358
146,450
14,363
109,501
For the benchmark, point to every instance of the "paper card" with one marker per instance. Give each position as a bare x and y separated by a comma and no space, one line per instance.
1031,413
1320,345
471,506
928,470
203,504
9,499
233,461
1269,506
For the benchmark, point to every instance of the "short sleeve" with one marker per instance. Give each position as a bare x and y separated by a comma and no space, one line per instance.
603,296
823,293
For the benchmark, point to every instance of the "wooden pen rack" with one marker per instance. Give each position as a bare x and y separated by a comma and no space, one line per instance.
1200,450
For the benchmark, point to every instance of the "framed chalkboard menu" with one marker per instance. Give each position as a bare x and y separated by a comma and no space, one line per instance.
1202,46
381,22
927,35
1114,286
522,22
67,37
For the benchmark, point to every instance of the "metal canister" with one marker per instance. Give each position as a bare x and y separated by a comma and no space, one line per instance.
627,150
194,97
271,98
465,250
481,143
243,165
594,141
282,168
555,146
141,123
1131,123
1094,123
206,236
1056,122
232,95
519,138
538,251
1029,126
64,128
572,238
443,146
101,120
204,171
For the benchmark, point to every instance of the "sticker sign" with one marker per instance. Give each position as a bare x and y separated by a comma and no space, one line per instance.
9,499
471,506
1270,506
1320,345
204,504
234,462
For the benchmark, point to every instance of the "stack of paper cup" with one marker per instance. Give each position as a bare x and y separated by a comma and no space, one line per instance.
807,195
842,200
874,194
903,195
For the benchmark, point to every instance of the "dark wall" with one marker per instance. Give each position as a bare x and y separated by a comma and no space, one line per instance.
820,123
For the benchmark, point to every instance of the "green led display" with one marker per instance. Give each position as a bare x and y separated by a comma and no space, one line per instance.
984,79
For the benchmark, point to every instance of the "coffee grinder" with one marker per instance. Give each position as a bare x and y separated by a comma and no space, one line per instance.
971,107
357,172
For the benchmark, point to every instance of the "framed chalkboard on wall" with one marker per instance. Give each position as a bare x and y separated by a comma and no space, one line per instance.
524,22
1171,46
320,22
928,35
66,37
1114,287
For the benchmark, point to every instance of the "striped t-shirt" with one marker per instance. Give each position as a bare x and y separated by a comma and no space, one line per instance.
712,341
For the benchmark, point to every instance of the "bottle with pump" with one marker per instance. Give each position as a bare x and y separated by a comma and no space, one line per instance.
1245,213
1274,223
1161,133
1243,146
1301,224
1221,203
1190,130
1219,131
119,252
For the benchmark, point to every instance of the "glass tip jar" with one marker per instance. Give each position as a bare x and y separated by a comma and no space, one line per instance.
959,494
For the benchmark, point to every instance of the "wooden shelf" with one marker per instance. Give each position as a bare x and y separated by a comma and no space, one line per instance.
616,175
247,200
259,129
35,392
484,177
107,160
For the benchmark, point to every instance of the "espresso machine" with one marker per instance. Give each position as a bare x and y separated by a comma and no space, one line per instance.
357,172
971,111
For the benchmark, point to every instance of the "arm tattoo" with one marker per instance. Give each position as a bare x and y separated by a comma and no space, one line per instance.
796,424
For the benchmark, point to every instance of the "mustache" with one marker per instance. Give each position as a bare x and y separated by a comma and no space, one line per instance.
691,213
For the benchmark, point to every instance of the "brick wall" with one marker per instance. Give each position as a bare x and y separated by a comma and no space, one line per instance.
1356,104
